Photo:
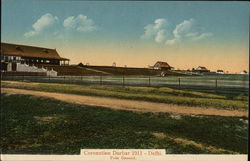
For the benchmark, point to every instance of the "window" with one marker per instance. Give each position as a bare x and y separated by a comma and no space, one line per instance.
5,58
10,57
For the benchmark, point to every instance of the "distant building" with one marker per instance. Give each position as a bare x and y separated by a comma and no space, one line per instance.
244,72
220,71
19,59
162,65
80,64
201,69
13,54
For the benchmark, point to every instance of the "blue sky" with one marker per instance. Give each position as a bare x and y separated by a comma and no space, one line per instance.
122,25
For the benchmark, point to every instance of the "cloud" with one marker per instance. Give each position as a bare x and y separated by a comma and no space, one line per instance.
80,23
160,36
172,41
41,24
160,23
69,22
30,34
187,30
203,36
183,28
156,30
181,31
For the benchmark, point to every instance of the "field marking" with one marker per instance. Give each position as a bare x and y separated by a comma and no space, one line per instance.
98,71
129,105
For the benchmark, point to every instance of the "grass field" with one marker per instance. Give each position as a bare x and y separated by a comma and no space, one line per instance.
155,94
33,125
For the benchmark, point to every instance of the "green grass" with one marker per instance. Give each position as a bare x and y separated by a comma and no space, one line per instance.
161,94
34,125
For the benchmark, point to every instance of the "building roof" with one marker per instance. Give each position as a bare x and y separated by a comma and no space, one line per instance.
202,68
162,64
29,51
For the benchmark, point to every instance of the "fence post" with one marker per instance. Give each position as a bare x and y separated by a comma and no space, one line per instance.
179,82
216,83
149,83
123,80
81,74
101,80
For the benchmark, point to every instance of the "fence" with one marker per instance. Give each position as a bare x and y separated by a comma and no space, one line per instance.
180,82
13,73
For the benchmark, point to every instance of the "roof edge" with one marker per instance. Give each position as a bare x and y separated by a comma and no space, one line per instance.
27,45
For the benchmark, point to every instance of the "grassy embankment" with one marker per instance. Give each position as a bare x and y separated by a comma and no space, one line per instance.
161,94
45,126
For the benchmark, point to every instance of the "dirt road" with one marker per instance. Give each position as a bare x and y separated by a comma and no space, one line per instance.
129,105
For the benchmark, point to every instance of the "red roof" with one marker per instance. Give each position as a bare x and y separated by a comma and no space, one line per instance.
29,51
202,68
162,64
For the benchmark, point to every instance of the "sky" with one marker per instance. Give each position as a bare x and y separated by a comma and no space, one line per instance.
134,33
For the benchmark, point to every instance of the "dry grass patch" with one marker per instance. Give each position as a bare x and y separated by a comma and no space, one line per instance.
47,119
185,142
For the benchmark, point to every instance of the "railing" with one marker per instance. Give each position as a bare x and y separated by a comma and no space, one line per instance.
181,82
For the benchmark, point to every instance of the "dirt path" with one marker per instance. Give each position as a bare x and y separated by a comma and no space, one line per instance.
129,105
